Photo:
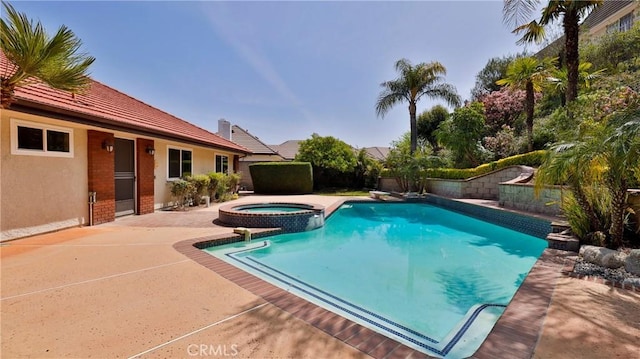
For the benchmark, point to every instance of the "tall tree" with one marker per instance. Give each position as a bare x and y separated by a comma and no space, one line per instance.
518,12
559,78
621,153
34,55
462,133
333,160
414,82
605,157
528,74
494,70
428,122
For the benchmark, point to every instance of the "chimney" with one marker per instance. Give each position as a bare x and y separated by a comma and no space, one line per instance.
224,128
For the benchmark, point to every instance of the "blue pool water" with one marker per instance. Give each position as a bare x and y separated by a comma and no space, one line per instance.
430,278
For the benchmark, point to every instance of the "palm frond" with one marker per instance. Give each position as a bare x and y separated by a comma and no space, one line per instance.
33,53
517,12
533,32
443,91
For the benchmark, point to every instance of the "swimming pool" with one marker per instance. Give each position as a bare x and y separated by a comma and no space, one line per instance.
289,217
432,279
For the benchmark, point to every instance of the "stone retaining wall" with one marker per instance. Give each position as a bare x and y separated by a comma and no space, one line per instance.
479,187
522,197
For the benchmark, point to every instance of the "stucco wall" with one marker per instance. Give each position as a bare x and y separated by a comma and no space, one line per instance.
43,193
601,29
40,194
245,182
203,160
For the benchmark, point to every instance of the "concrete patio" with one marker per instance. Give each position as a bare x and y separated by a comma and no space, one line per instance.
122,290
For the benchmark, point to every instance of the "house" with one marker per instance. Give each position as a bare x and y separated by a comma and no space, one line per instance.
59,152
378,153
288,149
612,16
260,152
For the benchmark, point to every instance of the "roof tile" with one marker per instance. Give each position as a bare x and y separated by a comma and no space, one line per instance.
101,103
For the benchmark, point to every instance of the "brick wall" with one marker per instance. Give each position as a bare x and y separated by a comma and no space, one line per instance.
145,176
101,167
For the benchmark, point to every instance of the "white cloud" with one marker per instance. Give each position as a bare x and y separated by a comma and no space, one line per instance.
226,28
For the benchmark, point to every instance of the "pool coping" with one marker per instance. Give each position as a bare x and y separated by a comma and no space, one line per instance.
295,221
515,334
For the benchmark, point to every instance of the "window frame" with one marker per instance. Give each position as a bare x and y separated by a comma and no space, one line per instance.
626,22
181,149
44,152
216,163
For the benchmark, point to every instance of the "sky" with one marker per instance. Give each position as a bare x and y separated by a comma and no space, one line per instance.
281,70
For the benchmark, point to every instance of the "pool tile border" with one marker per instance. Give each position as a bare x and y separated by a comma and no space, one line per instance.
515,335
296,221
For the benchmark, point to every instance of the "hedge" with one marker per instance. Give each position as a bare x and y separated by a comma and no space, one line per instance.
282,177
533,159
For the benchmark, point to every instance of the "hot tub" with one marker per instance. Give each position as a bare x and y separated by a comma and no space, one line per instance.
290,217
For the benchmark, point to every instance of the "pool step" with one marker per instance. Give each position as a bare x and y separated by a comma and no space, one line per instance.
565,242
559,227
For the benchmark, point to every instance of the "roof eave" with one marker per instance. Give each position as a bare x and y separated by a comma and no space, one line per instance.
36,108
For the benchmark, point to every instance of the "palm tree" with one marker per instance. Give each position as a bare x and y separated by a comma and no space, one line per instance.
621,153
559,78
528,74
517,12
414,82
33,56
573,163
607,158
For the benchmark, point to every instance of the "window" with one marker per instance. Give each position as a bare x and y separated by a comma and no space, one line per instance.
626,22
180,163
222,164
37,139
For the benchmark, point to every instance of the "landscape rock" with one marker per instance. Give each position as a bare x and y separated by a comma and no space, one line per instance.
632,263
604,257
614,260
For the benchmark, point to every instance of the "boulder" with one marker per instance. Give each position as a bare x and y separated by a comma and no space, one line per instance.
632,263
614,260
604,257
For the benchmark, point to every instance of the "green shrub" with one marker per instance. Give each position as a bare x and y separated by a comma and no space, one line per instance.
201,187
214,180
222,191
450,173
533,159
222,186
282,177
181,190
233,182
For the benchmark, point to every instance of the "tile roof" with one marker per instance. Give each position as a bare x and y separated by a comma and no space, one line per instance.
378,153
288,149
604,11
103,105
242,137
